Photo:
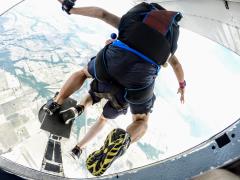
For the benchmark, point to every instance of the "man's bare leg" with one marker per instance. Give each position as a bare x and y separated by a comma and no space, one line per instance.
92,132
138,127
116,144
136,130
73,83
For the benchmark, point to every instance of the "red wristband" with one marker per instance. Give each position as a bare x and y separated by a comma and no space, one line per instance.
182,84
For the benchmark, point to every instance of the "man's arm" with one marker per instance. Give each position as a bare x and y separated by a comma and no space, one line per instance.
177,68
96,12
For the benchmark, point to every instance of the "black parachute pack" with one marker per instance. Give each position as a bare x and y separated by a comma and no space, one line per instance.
151,30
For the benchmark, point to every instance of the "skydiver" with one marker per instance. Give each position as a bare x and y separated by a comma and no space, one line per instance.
124,73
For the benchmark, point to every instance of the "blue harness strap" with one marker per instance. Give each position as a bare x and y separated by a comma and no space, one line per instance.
122,45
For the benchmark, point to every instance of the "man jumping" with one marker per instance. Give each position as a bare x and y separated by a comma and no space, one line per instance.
124,73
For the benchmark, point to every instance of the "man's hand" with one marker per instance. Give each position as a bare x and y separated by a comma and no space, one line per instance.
109,41
113,38
95,12
181,91
177,68
67,5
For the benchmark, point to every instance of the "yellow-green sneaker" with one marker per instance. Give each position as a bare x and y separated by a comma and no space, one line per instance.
116,143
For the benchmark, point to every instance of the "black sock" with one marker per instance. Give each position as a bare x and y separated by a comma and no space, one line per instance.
79,108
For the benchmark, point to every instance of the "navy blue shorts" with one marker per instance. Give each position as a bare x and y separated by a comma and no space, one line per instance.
108,110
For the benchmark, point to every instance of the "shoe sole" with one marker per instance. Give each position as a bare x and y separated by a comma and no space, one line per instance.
99,161
71,119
